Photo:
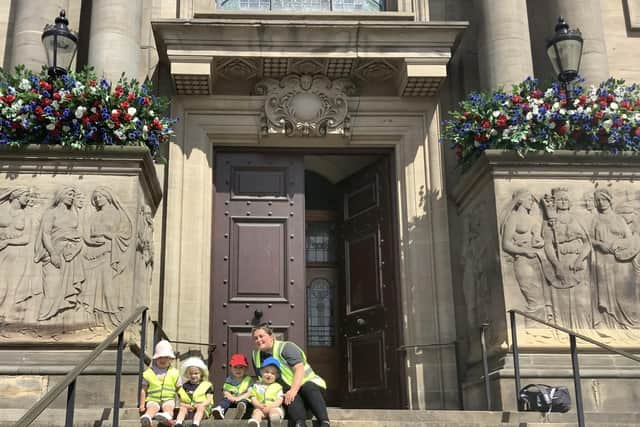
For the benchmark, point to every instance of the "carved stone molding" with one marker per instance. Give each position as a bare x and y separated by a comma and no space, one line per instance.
305,105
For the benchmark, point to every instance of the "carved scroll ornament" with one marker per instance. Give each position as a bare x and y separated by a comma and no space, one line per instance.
305,105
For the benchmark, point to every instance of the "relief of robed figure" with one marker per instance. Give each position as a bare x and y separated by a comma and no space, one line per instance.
57,249
107,236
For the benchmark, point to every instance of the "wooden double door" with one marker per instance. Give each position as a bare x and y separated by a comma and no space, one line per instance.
262,274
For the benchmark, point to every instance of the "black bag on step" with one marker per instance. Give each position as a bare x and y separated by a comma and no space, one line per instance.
544,398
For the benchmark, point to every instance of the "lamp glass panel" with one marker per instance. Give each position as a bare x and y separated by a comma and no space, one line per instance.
553,57
570,51
66,50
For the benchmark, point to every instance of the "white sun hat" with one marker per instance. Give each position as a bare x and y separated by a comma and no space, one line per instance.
194,362
163,349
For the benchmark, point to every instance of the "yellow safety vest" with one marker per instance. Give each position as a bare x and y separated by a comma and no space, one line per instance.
237,390
161,390
199,394
266,394
285,370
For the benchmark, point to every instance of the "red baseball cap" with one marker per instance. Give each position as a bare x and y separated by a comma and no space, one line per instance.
238,360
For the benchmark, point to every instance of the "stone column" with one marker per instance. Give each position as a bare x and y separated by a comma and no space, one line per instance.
504,46
586,16
114,39
24,38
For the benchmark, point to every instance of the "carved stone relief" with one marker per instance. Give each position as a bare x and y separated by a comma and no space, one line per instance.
576,257
66,265
305,105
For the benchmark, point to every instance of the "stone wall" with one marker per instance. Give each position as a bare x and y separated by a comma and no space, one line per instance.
558,237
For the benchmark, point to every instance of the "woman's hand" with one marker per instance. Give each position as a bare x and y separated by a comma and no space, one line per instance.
290,396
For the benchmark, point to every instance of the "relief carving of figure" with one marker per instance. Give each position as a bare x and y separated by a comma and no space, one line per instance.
567,246
618,297
15,238
144,251
57,249
521,238
107,238
475,281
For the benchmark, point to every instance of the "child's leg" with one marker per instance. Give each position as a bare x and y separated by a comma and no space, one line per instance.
257,415
199,414
152,408
182,413
167,409
275,416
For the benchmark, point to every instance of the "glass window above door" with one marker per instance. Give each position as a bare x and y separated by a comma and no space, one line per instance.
304,5
320,245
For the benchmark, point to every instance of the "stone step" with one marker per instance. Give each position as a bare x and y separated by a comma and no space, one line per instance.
99,417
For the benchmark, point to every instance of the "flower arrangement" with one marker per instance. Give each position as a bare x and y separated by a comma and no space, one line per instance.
531,118
79,109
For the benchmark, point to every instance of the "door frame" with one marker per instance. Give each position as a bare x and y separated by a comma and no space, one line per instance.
389,156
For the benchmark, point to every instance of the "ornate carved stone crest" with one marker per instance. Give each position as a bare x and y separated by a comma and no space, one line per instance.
305,105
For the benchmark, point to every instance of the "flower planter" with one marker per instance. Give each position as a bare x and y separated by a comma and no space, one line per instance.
76,255
556,235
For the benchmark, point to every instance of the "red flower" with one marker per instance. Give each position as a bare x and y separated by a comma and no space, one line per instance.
536,93
45,85
636,132
158,124
582,99
131,96
8,99
563,102
562,130
127,117
85,120
46,101
57,96
147,101
625,104
466,114
115,115
599,115
92,83
485,123
501,121
124,105
610,98
118,90
39,111
516,99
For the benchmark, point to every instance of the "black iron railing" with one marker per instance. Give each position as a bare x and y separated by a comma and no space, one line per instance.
574,356
69,381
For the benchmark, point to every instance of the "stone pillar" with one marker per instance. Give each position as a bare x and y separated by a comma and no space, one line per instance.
504,46
584,15
114,39
29,19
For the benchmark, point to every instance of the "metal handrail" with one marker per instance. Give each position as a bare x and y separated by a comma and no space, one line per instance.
69,381
574,356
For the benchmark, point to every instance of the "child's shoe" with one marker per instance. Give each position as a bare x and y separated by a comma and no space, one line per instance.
253,422
145,421
241,409
217,413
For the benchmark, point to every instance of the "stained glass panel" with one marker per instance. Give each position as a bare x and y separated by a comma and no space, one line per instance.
320,322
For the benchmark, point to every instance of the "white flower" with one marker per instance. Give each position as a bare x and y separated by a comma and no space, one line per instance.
80,111
25,84
552,125
145,129
636,117
548,93
66,128
493,132
94,110
529,116
607,124
496,113
613,106
563,111
51,126
587,110
556,106
132,111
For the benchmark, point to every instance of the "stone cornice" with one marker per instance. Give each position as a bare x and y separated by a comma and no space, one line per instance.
90,160
383,57
559,164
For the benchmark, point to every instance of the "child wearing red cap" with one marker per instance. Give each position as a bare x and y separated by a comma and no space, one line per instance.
236,389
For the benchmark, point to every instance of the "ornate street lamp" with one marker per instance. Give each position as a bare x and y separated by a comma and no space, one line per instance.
60,44
564,51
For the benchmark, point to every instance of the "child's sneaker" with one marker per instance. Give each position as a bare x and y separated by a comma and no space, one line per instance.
218,413
145,421
253,422
241,409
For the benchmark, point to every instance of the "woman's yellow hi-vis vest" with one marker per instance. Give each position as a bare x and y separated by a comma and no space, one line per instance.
285,370
237,390
266,394
199,394
161,390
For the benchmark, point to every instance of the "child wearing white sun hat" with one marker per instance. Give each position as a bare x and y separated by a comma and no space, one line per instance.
160,385
196,394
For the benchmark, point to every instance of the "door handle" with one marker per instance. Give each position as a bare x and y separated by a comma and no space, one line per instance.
360,321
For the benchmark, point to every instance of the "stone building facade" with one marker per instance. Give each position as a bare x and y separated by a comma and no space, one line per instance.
307,187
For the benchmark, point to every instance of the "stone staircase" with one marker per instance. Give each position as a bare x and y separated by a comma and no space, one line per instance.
355,418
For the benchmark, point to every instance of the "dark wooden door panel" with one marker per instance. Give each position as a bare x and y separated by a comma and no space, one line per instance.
369,312
258,268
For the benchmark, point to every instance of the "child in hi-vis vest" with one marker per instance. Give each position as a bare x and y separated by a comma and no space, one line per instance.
236,389
267,395
160,383
196,394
